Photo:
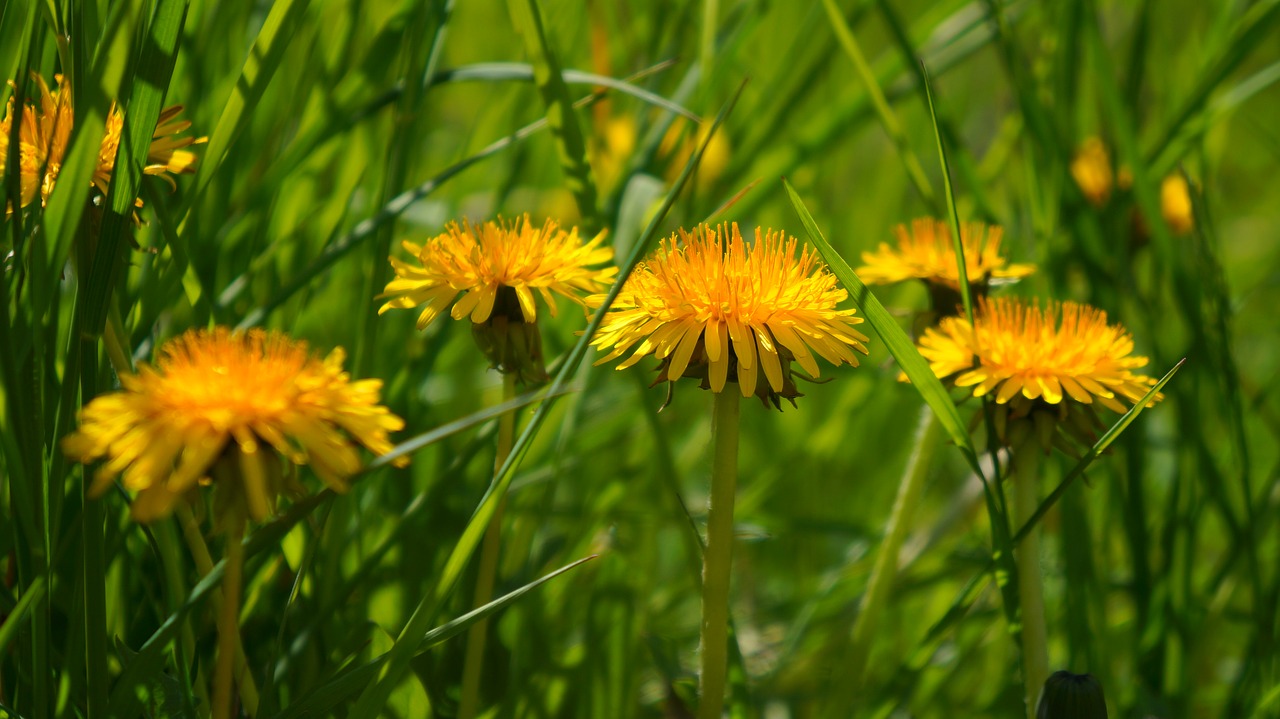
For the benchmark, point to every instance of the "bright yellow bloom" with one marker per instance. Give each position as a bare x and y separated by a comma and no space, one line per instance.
497,264
1091,169
1175,204
214,408
708,305
45,132
1026,354
927,252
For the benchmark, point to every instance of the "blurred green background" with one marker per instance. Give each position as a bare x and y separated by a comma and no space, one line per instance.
1161,572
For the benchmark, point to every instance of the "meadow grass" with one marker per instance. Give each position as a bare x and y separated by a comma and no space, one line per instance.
875,535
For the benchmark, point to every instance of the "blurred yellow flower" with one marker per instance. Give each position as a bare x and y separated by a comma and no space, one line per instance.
1091,169
617,138
225,408
708,305
45,131
1175,204
1024,353
927,252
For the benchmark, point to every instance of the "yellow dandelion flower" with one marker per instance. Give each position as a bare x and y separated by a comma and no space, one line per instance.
45,132
223,406
497,265
927,252
1175,204
710,306
1091,168
1025,354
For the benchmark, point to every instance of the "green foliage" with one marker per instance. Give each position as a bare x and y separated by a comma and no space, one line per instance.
338,128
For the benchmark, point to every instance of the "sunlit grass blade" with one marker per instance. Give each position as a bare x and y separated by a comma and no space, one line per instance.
426,438
895,339
499,71
260,66
953,217
888,118
339,689
375,695
93,96
158,55
560,114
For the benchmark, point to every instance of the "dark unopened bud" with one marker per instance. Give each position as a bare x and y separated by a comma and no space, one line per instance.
1072,696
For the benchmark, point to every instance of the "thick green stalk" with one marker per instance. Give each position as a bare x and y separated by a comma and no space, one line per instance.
229,618
473,660
886,566
718,558
1026,498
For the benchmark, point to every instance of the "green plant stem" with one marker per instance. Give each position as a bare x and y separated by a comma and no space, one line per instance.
204,564
717,560
1035,651
229,617
473,660
885,568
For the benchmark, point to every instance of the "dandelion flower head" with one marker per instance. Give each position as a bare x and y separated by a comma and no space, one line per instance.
927,252
220,406
497,264
1032,357
710,306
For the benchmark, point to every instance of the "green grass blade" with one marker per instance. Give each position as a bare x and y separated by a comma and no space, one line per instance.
1094,452
9,629
502,71
142,112
260,65
374,697
92,99
899,345
953,217
888,118
560,113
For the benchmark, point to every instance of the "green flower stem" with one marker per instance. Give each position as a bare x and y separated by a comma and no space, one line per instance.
229,617
717,560
885,568
1026,497
204,564
473,660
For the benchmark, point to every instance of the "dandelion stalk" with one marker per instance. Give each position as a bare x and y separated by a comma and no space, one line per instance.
1035,653
886,564
229,617
204,564
473,660
718,558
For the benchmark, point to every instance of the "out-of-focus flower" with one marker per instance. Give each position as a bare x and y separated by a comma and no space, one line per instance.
45,131
233,410
1091,168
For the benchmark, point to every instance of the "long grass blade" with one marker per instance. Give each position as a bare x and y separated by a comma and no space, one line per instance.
560,115
895,339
